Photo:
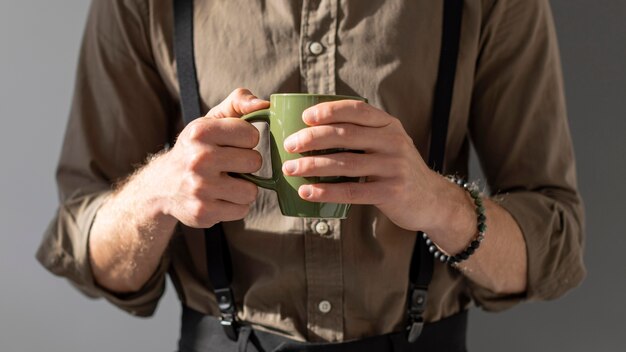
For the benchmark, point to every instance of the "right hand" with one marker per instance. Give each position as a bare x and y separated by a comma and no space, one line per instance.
196,187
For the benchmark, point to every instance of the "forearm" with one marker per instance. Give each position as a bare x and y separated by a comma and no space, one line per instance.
188,184
500,264
130,234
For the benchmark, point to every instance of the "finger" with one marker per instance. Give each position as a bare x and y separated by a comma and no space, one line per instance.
239,160
339,164
232,132
346,111
348,136
213,160
240,102
343,193
235,190
227,211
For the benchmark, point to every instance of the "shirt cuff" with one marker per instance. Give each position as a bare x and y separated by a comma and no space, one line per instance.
552,229
64,251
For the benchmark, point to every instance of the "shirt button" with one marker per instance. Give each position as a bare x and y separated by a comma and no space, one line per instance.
322,228
316,48
324,306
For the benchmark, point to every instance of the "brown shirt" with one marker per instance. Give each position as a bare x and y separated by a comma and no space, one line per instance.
508,101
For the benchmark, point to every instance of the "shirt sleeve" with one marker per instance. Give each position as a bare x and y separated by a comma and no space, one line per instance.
519,128
120,114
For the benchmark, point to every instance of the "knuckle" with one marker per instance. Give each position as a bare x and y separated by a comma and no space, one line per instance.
199,159
196,131
195,162
238,96
305,165
351,192
341,131
240,92
350,162
214,110
306,137
344,131
360,106
189,182
194,186
325,111
202,129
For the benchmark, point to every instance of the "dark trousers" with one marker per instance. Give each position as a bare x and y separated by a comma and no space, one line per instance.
203,333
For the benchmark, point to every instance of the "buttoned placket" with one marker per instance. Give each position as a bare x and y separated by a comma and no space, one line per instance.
318,35
324,277
323,260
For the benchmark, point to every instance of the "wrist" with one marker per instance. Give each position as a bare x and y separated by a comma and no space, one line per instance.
145,191
453,216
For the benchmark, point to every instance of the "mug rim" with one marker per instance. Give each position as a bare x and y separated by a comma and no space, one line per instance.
315,95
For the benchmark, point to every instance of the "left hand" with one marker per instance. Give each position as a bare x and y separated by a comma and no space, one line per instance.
398,181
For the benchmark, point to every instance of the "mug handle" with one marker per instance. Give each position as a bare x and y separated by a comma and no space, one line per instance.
269,183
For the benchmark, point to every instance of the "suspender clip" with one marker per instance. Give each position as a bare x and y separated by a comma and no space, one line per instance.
226,304
417,305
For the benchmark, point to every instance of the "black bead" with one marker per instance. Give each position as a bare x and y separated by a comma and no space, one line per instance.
463,255
475,244
470,251
482,218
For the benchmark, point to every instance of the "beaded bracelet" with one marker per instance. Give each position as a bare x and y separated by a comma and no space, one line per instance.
472,189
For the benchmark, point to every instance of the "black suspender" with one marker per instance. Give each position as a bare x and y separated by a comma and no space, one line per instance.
219,265
185,60
218,256
421,271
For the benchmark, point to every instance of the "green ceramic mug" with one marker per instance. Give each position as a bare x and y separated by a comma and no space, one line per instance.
285,118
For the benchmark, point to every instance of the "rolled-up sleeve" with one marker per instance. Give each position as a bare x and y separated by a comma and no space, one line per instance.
519,127
121,113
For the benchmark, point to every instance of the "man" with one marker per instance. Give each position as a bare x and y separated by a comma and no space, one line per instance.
341,280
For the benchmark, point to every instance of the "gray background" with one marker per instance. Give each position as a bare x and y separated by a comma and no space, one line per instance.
38,50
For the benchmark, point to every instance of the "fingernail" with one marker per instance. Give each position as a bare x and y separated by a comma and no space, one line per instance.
290,143
256,101
289,167
306,191
310,116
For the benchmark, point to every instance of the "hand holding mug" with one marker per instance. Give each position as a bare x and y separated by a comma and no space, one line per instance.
397,180
194,185
285,118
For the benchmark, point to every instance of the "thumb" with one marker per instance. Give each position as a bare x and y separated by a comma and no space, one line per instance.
238,103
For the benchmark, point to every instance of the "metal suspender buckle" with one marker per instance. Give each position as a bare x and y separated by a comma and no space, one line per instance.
417,304
226,304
